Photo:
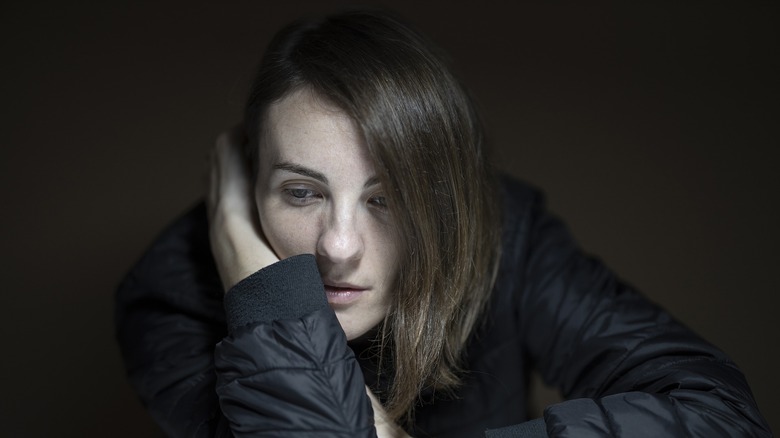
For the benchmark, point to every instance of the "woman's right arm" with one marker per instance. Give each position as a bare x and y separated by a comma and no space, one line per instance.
284,367
281,365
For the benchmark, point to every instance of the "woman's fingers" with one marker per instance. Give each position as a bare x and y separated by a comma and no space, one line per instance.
236,238
213,182
385,427
230,174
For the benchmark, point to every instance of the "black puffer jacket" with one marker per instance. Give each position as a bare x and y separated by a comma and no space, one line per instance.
274,362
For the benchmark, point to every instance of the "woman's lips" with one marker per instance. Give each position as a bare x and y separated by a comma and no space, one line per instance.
343,295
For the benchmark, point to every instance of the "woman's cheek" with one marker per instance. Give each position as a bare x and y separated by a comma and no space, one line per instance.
288,232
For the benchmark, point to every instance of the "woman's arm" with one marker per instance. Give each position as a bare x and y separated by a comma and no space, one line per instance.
282,365
285,369
627,366
169,317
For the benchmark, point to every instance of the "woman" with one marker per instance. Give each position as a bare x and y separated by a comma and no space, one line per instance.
379,281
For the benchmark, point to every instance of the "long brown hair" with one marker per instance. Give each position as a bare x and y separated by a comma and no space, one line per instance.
426,142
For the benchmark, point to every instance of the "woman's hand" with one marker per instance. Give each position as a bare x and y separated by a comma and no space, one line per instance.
236,238
385,427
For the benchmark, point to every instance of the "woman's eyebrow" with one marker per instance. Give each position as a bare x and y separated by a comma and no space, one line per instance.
311,173
374,180
301,170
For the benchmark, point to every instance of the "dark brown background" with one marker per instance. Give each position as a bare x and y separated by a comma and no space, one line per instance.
653,129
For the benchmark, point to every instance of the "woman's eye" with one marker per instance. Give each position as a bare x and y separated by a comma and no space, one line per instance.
300,193
378,201
300,196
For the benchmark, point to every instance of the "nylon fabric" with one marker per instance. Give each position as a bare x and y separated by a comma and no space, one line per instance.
626,367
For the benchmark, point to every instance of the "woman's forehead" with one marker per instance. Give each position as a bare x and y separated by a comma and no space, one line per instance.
305,110
305,128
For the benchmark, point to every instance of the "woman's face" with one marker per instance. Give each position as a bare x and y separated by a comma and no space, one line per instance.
317,193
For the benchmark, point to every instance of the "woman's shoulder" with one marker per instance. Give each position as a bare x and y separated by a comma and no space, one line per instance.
522,204
519,196
185,240
177,264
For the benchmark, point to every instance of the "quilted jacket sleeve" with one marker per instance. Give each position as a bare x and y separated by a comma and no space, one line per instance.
626,367
281,366
285,369
169,317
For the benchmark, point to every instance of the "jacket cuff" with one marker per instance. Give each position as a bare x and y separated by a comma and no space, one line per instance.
288,289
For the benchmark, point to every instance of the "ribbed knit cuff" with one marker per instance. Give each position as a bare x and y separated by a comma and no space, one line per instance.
288,289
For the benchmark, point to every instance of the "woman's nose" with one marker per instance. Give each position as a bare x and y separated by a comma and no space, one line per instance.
341,240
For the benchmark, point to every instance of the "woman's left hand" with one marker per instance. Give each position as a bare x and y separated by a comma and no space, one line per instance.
385,427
